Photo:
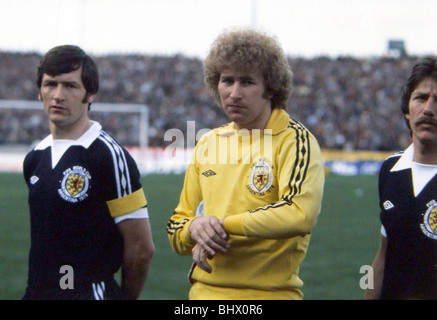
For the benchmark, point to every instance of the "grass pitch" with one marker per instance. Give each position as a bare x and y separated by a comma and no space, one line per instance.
345,238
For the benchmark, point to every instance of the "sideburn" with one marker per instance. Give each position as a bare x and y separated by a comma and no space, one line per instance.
86,98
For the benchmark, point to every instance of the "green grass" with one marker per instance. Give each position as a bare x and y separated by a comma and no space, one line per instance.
345,238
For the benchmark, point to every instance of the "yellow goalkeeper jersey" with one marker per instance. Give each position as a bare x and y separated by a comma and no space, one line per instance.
268,186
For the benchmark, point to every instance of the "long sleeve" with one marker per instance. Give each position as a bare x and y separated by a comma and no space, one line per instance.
300,177
185,212
265,185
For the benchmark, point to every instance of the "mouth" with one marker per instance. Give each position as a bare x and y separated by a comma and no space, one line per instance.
234,107
426,122
56,108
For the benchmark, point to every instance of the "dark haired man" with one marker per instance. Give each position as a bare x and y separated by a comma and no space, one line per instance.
405,266
87,207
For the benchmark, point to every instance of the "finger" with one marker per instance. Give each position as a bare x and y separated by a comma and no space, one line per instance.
200,259
209,233
213,243
218,234
207,247
211,225
219,229
204,265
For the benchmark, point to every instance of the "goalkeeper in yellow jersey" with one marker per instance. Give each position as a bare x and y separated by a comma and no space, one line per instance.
253,190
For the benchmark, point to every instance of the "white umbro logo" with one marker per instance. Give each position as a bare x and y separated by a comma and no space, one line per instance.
388,205
34,179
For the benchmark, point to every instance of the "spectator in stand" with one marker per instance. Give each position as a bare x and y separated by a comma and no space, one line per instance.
346,102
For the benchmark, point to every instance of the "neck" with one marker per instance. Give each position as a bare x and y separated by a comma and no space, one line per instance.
69,132
260,123
425,153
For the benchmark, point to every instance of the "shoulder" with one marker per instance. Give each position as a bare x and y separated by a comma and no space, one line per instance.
114,159
33,154
395,156
391,160
29,159
298,135
108,152
296,127
385,172
107,143
97,138
295,124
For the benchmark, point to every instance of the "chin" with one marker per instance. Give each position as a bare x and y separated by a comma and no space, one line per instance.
59,122
427,139
235,118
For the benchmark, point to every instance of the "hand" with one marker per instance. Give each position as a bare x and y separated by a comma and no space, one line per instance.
199,258
209,233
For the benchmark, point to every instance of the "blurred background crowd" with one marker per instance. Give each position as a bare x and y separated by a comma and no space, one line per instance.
348,103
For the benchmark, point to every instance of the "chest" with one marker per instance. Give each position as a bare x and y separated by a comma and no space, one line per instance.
75,179
239,173
405,215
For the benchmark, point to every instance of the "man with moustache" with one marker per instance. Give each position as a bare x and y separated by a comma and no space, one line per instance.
405,265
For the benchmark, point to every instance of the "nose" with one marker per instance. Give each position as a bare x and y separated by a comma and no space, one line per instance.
236,90
58,93
431,106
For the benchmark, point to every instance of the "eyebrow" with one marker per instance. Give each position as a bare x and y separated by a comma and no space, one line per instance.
242,77
419,92
73,82
423,95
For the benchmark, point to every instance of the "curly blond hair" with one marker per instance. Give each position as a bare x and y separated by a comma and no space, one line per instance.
246,49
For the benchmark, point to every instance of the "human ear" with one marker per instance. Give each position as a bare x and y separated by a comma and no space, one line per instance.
89,98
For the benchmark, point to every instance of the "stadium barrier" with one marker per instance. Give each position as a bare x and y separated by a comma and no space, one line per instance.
353,162
160,161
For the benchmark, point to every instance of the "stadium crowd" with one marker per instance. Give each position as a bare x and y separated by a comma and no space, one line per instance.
348,103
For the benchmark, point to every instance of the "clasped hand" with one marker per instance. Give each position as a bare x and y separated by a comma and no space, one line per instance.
211,237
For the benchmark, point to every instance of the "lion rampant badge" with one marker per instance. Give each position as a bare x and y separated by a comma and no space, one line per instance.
75,184
261,177
429,225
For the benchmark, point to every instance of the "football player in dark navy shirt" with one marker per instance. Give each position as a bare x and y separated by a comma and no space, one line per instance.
405,266
88,210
